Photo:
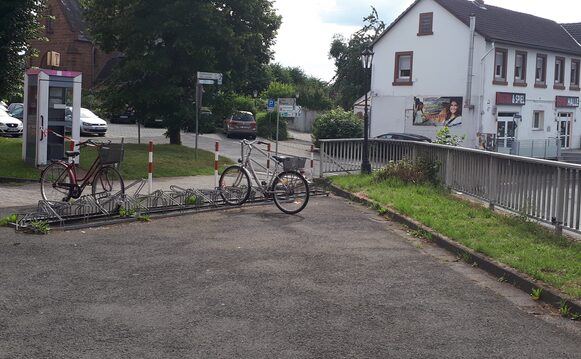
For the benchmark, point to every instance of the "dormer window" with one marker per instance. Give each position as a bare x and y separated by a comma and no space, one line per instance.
426,24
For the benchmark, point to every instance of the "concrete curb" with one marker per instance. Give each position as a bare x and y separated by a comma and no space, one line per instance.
550,295
18,180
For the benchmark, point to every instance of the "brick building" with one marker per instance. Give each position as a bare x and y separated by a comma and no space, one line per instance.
65,29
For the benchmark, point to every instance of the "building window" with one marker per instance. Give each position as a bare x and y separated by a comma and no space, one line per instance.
403,68
575,65
426,23
500,67
559,73
541,71
49,21
538,120
520,68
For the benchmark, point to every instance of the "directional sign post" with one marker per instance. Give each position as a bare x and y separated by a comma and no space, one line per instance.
204,78
285,106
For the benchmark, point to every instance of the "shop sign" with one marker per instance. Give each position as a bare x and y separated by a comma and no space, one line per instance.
566,101
510,98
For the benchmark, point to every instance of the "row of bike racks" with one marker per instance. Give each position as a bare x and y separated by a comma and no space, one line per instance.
91,211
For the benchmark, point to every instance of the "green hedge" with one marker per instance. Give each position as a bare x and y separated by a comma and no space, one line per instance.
337,123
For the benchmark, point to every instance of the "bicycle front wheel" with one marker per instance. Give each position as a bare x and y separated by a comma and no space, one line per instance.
56,183
291,192
234,185
107,182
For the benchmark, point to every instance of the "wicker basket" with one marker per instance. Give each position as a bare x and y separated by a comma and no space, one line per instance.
293,163
111,153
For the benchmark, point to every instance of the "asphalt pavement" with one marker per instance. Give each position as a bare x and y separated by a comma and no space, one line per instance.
335,281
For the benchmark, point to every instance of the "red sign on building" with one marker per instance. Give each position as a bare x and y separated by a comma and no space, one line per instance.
509,98
566,101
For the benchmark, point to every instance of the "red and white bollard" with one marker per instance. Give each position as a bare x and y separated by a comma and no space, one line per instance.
216,160
150,168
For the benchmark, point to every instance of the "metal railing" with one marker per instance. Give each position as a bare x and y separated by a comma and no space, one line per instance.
548,191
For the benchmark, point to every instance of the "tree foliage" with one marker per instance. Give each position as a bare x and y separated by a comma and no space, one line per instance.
165,43
19,22
350,80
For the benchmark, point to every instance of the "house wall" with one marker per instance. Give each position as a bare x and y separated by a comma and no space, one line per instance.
75,54
440,66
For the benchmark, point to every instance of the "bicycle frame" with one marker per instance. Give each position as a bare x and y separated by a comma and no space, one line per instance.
247,164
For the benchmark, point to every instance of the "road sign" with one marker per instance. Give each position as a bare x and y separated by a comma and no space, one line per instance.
289,114
270,105
291,101
206,82
214,76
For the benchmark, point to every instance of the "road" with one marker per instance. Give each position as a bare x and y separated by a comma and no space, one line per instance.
335,281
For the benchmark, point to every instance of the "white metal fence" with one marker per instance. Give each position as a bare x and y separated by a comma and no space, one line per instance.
546,190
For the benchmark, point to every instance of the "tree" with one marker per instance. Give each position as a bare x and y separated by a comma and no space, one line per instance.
19,22
166,42
444,137
350,81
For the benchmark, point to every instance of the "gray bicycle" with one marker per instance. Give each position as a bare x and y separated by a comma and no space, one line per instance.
284,183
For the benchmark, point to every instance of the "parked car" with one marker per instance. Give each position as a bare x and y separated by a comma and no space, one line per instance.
126,117
14,105
90,123
16,110
10,126
240,123
404,137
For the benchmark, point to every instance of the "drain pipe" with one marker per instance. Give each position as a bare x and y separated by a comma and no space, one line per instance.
468,101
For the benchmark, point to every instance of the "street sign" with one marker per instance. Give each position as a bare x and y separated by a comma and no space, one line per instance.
270,105
216,77
289,114
287,102
206,82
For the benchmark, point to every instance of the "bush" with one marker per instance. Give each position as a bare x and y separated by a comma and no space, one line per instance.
266,126
408,171
337,123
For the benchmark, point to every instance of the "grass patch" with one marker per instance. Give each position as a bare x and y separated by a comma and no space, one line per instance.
520,244
168,161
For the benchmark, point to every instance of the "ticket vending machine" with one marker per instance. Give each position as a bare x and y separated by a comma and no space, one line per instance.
52,108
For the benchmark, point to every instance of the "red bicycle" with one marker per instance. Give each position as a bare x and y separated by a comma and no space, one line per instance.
59,181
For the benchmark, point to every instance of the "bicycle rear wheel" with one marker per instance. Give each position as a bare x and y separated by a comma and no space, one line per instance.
291,192
56,183
107,182
234,185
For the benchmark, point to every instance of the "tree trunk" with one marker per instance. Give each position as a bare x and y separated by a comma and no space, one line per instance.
174,135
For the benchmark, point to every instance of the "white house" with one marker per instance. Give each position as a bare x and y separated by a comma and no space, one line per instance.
514,76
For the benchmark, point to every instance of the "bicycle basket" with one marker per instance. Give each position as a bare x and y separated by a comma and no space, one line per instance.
111,153
293,163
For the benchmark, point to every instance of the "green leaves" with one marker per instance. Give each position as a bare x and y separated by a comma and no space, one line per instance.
166,42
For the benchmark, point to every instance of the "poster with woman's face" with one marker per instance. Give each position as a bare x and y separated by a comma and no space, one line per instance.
437,111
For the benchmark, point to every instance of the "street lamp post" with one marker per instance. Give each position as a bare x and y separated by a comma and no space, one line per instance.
366,60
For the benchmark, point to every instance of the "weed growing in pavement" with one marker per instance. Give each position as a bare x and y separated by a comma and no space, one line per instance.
420,233
464,257
536,293
144,218
11,218
576,316
126,212
41,227
564,309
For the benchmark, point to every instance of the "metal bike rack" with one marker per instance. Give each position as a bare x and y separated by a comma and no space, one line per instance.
87,210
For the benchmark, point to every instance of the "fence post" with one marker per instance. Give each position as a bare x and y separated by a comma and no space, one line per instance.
558,219
321,157
447,176
492,182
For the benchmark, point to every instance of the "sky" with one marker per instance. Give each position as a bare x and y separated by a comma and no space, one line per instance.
308,26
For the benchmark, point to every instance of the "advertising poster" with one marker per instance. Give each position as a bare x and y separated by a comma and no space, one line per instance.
437,111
